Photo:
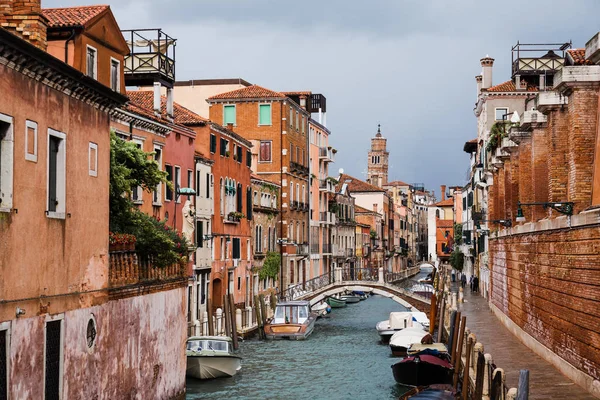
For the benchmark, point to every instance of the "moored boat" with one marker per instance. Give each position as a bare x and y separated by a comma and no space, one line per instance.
397,321
292,320
403,339
211,357
335,302
350,298
321,309
422,370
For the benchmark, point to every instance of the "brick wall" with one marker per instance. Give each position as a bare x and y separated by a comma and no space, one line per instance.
547,283
539,161
24,19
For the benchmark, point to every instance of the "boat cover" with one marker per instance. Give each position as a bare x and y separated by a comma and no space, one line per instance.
430,359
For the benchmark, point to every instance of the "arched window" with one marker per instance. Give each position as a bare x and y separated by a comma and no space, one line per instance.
291,191
212,186
269,240
298,192
222,199
303,194
256,198
437,214
298,232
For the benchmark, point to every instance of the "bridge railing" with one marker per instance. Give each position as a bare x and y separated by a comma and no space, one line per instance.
360,274
301,289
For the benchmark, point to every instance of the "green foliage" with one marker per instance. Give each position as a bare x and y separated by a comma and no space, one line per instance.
131,167
457,260
373,234
332,180
498,132
270,268
458,233
334,207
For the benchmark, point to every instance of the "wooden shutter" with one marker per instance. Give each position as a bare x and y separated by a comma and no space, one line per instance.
249,204
248,158
239,154
239,197
213,143
200,233
52,173
236,248
223,144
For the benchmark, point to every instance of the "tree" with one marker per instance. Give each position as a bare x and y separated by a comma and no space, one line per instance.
270,268
131,167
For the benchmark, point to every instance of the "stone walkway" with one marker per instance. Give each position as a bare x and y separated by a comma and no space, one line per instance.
508,353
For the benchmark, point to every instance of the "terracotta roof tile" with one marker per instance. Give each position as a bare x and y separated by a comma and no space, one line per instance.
362,210
445,203
183,116
356,185
298,93
509,86
578,57
397,183
445,223
250,92
72,16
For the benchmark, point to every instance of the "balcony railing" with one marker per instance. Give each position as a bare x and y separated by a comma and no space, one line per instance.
327,218
302,249
327,248
326,154
326,185
298,168
152,55
314,248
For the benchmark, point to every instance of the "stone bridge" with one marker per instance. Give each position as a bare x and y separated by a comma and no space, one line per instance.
396,286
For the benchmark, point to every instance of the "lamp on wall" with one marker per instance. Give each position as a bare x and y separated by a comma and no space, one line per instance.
563,207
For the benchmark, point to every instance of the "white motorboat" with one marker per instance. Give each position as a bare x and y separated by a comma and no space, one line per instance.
403,339
321,309
211,357
293,320
399,321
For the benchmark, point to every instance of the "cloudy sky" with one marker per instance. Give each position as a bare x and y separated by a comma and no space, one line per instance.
409,65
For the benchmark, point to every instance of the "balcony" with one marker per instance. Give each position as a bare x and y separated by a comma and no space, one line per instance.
314,248
326,185
326,154
302,249
346,221
294,205
298,168
327,218
327,248
151,58
350,253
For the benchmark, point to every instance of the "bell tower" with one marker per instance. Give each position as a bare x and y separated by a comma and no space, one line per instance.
377,171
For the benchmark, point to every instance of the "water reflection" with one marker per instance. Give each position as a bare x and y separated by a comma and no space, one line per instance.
342,359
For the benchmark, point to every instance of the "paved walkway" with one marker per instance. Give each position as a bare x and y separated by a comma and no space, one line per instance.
508,353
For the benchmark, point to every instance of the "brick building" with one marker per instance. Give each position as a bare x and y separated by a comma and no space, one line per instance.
377,171
372,251
543,282
277,126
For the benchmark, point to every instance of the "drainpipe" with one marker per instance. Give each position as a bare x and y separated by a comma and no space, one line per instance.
71,38
280,196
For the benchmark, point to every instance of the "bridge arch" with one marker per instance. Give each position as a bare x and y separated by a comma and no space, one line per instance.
426,264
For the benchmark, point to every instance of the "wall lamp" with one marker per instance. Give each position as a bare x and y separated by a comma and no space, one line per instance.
507,223
564,207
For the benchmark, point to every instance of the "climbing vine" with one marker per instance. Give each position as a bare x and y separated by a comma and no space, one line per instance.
270,268
458,233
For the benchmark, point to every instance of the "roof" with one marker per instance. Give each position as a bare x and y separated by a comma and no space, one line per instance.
445,203
223,130
577,57
362,210
72,16
509,86
298,93
444,223
396,183
182,115
263,180
250,92
356,185
210,82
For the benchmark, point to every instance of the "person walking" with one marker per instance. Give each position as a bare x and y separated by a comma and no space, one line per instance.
476,284
471,283
463,281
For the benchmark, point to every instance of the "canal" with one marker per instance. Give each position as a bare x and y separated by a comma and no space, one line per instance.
342,359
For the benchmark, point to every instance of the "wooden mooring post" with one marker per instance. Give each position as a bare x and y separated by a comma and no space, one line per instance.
465,383
455,337
259,321
263,309
234,335
432,314
227,330
211,327
441,324
458,353
523,388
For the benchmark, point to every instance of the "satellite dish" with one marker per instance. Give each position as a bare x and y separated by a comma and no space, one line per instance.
515,118
341,171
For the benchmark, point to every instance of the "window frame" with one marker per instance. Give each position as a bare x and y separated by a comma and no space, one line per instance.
260,123
117,87
7,146
95,66
234,115
170,179
54,318
156,196
61,180
270,143
29,156
93,172
177,182
496,109
213,143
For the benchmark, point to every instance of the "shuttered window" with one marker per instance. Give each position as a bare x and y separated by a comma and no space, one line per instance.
229,115
200,233
236,249
213,143
265,150
249,204
169,191
239,197
264,117
54,146
248,158
240,152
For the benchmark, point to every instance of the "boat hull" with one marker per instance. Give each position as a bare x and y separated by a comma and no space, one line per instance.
291,331
422,373
211,367
398,351
351,299
336,303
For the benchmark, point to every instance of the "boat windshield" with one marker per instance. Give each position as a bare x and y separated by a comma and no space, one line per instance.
302,314
217,345
287,314
194,345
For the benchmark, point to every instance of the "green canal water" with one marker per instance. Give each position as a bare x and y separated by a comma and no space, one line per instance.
342,359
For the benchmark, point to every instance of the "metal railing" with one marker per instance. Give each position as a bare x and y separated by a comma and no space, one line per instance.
309,286
326,248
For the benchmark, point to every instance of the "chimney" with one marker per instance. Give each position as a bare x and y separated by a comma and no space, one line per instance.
156,103
443,189
478,79
230,126
487,63
24,18
170,102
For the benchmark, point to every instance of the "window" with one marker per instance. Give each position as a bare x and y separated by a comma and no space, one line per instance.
93,159
207,185
500,114
264,114
248,158
92,62
169,191
137,192
115,75
222,250
291,124
239,283
238,197
53,359
236,249
200,233
177,182
248,255
291,191
249,204
265,151
228,114
291,152
222,196
31,141
158,158
56,174
240,152
224,147
191,179
213,143
297,117
6,162
298,159
298,192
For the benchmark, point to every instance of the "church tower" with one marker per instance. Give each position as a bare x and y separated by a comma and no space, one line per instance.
377,172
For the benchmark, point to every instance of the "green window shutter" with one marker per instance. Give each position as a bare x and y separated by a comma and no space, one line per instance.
213,143
248,158
229,115
264,114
